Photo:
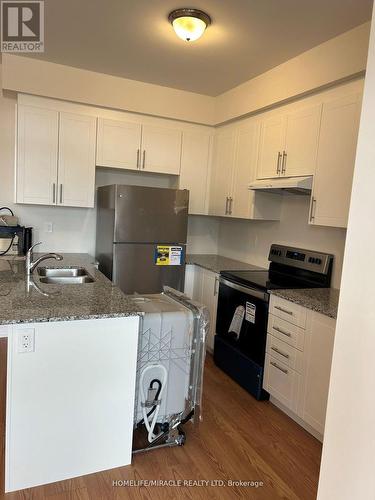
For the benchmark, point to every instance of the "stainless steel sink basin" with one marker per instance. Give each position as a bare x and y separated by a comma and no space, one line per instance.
63,272
67,280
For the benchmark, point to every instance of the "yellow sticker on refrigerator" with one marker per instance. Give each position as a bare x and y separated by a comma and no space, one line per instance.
168,255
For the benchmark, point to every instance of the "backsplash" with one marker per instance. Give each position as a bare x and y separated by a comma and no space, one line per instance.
250,241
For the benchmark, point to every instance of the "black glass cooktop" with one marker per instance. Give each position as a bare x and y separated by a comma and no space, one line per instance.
268,280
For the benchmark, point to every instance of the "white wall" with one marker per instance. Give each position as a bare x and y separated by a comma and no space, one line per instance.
250,241
74,228
347,469
33,76
337,59
328,63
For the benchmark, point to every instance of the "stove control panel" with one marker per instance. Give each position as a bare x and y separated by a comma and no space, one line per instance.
309,260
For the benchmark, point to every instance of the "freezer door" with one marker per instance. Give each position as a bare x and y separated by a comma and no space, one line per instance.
134,269
150,215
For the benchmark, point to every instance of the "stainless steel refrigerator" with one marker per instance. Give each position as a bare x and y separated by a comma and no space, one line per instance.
141,237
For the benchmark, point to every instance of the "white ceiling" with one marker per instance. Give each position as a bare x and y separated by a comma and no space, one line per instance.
133,39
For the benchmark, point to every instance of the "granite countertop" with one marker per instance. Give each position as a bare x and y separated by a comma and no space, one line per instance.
21,302
321,300
217,263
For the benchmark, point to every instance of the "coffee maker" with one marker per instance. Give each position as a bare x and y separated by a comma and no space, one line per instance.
14,239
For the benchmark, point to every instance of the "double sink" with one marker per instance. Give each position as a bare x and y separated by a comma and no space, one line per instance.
64,275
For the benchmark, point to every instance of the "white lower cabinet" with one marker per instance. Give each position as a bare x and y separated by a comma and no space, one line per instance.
282,382
202,285
298,362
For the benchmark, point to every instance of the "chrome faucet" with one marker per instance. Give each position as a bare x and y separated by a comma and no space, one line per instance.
30,266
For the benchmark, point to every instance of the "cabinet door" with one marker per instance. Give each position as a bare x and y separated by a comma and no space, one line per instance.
118,144
76,173
318,358
209,299
194,176
222,168
37,149
282,382
272,140
301,145
335,164
244,170
189,281
161,149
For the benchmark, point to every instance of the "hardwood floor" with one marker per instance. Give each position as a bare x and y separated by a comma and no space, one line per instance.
238,439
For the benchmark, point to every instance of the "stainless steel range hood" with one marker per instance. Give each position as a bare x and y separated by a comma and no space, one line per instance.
284,185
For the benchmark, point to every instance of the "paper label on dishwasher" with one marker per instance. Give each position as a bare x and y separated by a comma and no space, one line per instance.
250,312
168,255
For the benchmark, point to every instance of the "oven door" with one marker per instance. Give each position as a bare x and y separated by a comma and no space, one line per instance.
242,315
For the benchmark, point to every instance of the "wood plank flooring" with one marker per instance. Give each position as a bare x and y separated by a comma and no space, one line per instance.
238,439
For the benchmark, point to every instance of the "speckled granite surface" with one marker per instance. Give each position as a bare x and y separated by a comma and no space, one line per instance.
321,300
20,303
217,263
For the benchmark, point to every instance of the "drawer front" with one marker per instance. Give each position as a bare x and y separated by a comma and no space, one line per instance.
288,311
291,334
285,353
282,382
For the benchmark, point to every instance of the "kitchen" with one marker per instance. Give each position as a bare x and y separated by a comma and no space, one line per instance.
274,127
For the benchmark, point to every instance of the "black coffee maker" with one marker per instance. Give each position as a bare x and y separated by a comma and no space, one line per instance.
14,239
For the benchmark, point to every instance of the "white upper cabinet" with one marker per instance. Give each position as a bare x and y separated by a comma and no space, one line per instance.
55,157
118,144
335,164
133,145
76,161
301,142
221,178
271,146
161,149
37,150
243,172
288,143
233,169
195,163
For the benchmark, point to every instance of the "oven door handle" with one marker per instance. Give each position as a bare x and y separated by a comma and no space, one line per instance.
246,289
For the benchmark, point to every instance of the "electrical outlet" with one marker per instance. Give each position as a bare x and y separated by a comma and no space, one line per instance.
48,227
26,340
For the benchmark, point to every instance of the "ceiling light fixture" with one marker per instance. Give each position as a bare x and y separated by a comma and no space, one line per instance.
189,24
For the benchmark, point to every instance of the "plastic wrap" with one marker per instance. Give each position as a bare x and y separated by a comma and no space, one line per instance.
172,334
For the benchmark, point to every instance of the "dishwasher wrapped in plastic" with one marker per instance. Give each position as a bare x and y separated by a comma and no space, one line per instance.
171,355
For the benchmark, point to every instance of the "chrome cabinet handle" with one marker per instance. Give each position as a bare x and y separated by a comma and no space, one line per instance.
279,367
279,155
61,193
287,334
284,310
283,167
216,285
312,211
138,158
53,193
230,205
226,205
280,352
144,159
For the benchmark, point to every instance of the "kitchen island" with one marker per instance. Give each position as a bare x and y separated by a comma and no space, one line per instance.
71,367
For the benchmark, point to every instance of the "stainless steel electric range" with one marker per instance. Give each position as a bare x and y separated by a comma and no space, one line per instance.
242,314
